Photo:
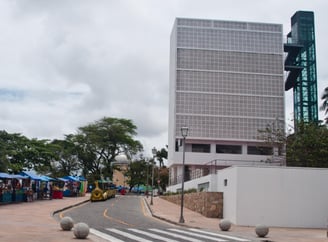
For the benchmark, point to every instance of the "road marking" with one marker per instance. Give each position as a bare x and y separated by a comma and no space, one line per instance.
115,219
144,207
105,236
220,235
130,236
197,235
176,235
153,235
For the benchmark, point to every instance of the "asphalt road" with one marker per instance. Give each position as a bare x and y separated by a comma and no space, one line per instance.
118,212
126,218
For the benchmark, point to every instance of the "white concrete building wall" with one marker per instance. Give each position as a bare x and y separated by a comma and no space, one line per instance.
229,190
275,196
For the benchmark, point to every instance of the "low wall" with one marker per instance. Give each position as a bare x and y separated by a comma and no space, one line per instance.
209,204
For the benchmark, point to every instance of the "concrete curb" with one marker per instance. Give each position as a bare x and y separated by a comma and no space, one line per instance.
165,219
68,207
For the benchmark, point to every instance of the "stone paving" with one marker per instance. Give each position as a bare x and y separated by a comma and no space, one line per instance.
171,212
34,221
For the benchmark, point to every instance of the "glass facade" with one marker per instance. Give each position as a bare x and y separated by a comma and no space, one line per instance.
305,88
229,149
228,78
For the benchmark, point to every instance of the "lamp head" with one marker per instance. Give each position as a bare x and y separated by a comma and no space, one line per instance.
184,131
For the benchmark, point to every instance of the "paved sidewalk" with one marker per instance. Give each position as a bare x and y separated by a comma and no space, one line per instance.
170,212
34,222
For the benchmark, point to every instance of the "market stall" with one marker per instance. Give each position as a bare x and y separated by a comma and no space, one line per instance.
74,186
18,184
5,188
11,188
58,188
83,186
37,185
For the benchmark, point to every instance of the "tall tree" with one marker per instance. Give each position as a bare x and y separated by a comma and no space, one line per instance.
107,138
164,177
324,105
162,171
309,146
137,173
161,155
19,153
91,166
39,155
5,140
66,162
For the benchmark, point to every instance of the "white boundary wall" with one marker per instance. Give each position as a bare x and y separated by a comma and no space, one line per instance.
274,196
210,179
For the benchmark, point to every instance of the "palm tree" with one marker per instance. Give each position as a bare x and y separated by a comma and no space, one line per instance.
161,155
324,105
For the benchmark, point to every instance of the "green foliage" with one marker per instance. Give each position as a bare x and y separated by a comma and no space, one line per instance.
308,147
18,153
104,140
164,177
161,172
161,155
92,150
324,105
192,190
137,173
273,133
66,162
274,136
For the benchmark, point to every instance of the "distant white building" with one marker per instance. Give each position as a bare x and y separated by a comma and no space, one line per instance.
226,83
119,178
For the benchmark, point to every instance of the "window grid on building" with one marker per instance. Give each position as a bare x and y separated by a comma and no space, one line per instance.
228,78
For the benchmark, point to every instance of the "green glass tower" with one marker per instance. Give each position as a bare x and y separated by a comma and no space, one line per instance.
301,65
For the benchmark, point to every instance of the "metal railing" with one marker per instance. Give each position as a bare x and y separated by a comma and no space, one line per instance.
208,168
213,166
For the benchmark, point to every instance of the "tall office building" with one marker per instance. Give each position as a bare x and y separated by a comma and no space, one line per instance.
226,83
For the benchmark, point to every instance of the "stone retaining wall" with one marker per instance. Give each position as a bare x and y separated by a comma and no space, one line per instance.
209,204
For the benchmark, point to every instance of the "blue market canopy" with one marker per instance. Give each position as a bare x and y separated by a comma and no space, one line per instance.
33,176
62,179
48,178
72,178
4,175
19,176
10,176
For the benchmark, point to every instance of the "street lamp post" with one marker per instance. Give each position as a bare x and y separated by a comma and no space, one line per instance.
147,167
154,151
184,133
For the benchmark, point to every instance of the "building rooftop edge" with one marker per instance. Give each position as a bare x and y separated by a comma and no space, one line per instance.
281,167
223,20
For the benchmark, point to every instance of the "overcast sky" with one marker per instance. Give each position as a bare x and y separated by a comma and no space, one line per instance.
65,64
